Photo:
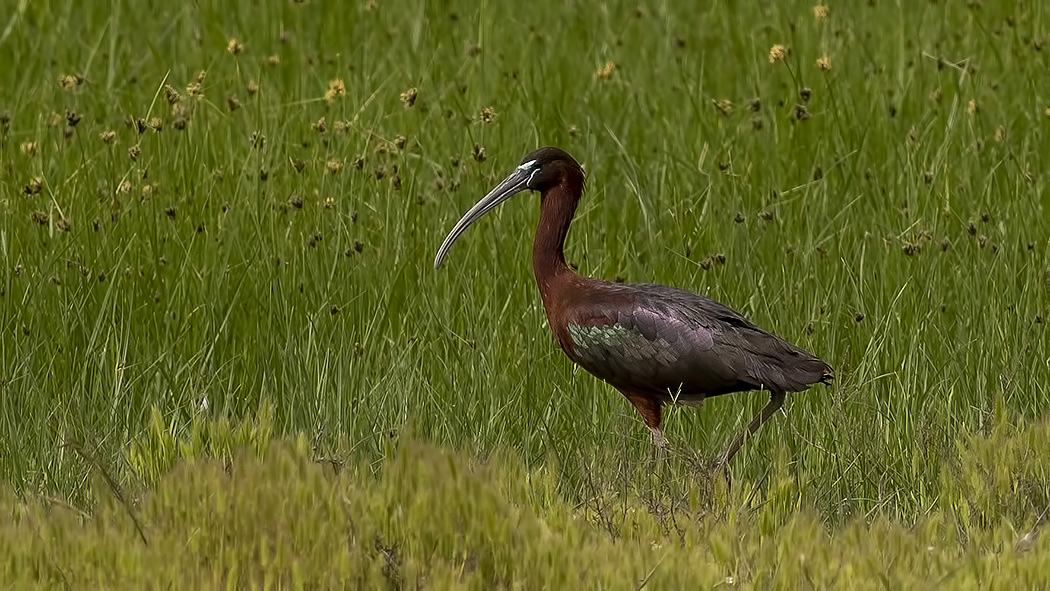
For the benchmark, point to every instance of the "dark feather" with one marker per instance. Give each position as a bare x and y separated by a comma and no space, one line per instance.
680,345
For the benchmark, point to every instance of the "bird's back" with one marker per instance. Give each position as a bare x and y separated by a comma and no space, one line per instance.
677,344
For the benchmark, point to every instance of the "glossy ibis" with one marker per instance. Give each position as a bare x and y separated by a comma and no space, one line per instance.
655,344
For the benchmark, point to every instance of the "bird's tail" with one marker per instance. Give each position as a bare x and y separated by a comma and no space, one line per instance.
828,376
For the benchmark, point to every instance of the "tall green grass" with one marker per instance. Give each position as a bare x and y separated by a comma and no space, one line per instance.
276,251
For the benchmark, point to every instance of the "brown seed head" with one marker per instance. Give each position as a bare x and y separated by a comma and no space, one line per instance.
723,106
1000,134
321,125
134,152
234,46
108,137
408,98
181,117
824,63
606,70
171,94
336,90
70,81
821,12
333,166
777,53
35,185
253,87
273,61
487,115
196,88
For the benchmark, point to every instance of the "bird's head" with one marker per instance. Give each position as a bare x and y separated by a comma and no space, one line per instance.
540,171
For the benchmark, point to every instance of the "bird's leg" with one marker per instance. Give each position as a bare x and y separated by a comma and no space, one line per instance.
658,439
649,408
776,400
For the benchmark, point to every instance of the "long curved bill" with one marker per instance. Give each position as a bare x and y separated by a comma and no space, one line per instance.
515,183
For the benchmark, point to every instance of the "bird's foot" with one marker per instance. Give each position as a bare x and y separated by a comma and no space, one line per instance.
658,439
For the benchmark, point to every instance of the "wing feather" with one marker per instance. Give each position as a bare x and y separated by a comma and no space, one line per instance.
663,339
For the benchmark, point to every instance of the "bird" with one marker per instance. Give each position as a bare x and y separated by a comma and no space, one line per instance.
657,345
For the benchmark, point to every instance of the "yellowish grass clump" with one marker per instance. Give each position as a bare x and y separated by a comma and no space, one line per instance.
219,491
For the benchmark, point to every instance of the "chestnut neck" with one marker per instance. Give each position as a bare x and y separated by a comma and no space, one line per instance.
557,208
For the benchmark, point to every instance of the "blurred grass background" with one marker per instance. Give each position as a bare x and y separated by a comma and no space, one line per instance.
212,212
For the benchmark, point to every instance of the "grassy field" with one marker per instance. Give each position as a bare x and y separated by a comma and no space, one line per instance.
217,225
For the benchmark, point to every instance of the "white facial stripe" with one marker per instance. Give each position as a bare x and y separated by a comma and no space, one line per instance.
527,166
531,176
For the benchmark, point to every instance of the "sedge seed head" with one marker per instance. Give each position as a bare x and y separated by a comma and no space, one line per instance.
68,82
171,94
777,53
606,71
408,98
234,47
336,90
824,63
